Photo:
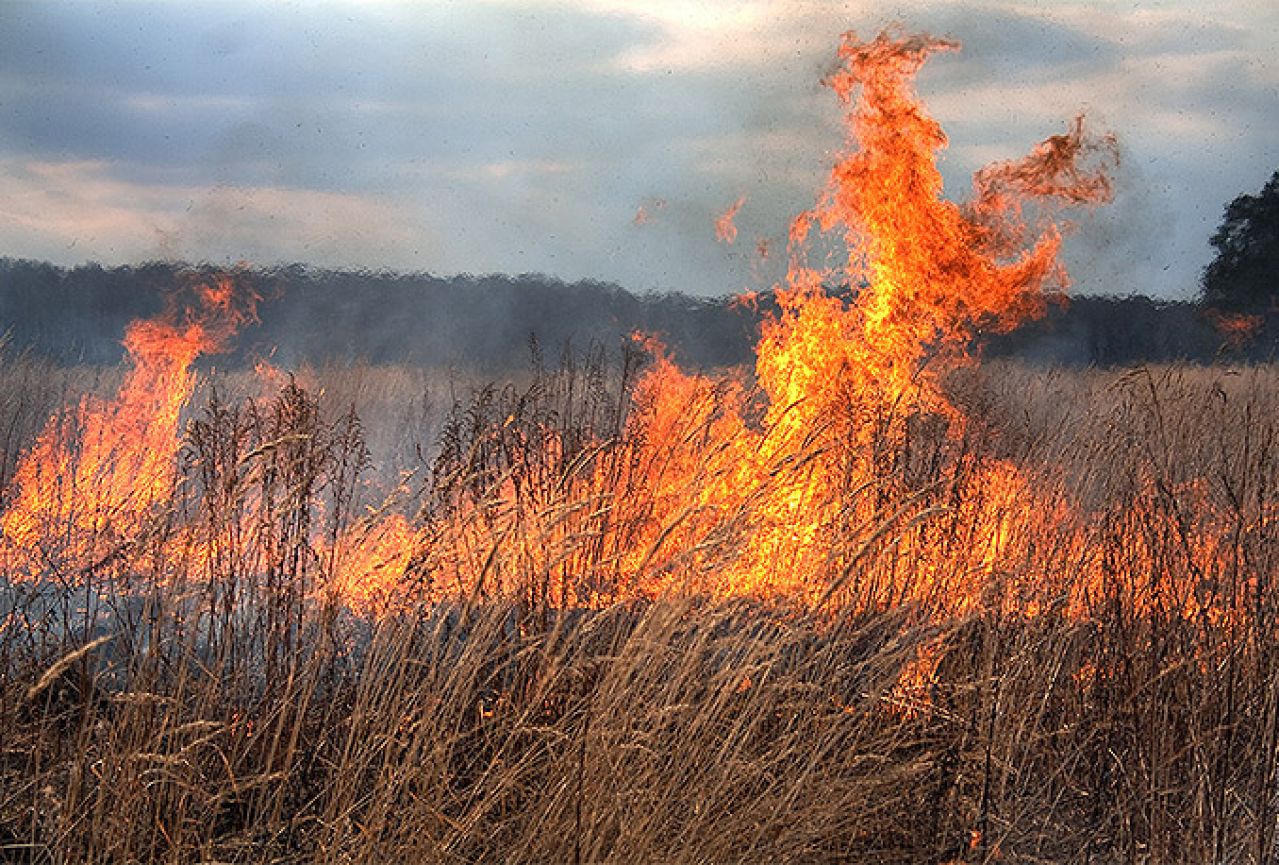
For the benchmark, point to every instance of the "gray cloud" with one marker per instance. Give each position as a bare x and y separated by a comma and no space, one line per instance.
520,137
220,87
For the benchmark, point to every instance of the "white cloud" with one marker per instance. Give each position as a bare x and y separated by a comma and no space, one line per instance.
75,211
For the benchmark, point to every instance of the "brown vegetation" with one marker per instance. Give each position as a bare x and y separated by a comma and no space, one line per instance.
236,715
866,602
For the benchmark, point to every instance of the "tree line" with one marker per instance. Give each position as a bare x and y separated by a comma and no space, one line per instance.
314,315
77,315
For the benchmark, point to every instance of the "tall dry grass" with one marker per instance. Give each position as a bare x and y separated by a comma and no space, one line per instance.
1095,680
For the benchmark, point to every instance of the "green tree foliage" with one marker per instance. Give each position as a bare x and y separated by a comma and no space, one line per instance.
1244,277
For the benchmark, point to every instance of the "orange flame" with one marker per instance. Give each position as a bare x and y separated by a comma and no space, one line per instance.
725,495
719,492
648,210
926,272
94,478
725,229
922,275
1236,330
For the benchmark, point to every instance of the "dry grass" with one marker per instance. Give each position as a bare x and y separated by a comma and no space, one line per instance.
1110,694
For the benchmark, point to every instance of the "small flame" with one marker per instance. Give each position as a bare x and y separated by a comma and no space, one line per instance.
1236,330
725,229
648,210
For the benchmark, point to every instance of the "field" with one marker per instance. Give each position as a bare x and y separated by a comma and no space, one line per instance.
1097,682
867,600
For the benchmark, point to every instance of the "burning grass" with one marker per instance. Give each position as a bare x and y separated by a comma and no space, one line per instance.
868,601
1110,695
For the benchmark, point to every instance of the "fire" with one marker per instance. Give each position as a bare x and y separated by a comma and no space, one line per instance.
648,210
1237,330
725,229
371,558
841,371
728,495
926,273
780,484
96,476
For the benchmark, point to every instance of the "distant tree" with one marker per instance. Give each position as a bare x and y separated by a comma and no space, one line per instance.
1244,277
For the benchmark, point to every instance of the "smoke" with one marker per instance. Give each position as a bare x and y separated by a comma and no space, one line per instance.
1127,247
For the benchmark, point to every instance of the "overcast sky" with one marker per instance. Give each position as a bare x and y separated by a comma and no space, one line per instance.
525,135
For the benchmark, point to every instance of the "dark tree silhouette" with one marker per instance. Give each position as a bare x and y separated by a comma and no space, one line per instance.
311,315
1244,277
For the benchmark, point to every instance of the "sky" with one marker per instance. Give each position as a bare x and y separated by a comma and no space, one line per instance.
593,139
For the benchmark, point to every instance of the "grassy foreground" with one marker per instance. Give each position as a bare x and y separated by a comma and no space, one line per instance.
1111,694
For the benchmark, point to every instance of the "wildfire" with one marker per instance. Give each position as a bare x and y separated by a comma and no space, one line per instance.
769,486
926,272
842,370
95,476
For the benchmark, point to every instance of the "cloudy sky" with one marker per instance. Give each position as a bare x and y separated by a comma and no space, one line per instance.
525,135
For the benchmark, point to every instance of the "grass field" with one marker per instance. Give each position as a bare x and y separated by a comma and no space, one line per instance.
1080,666
867,601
